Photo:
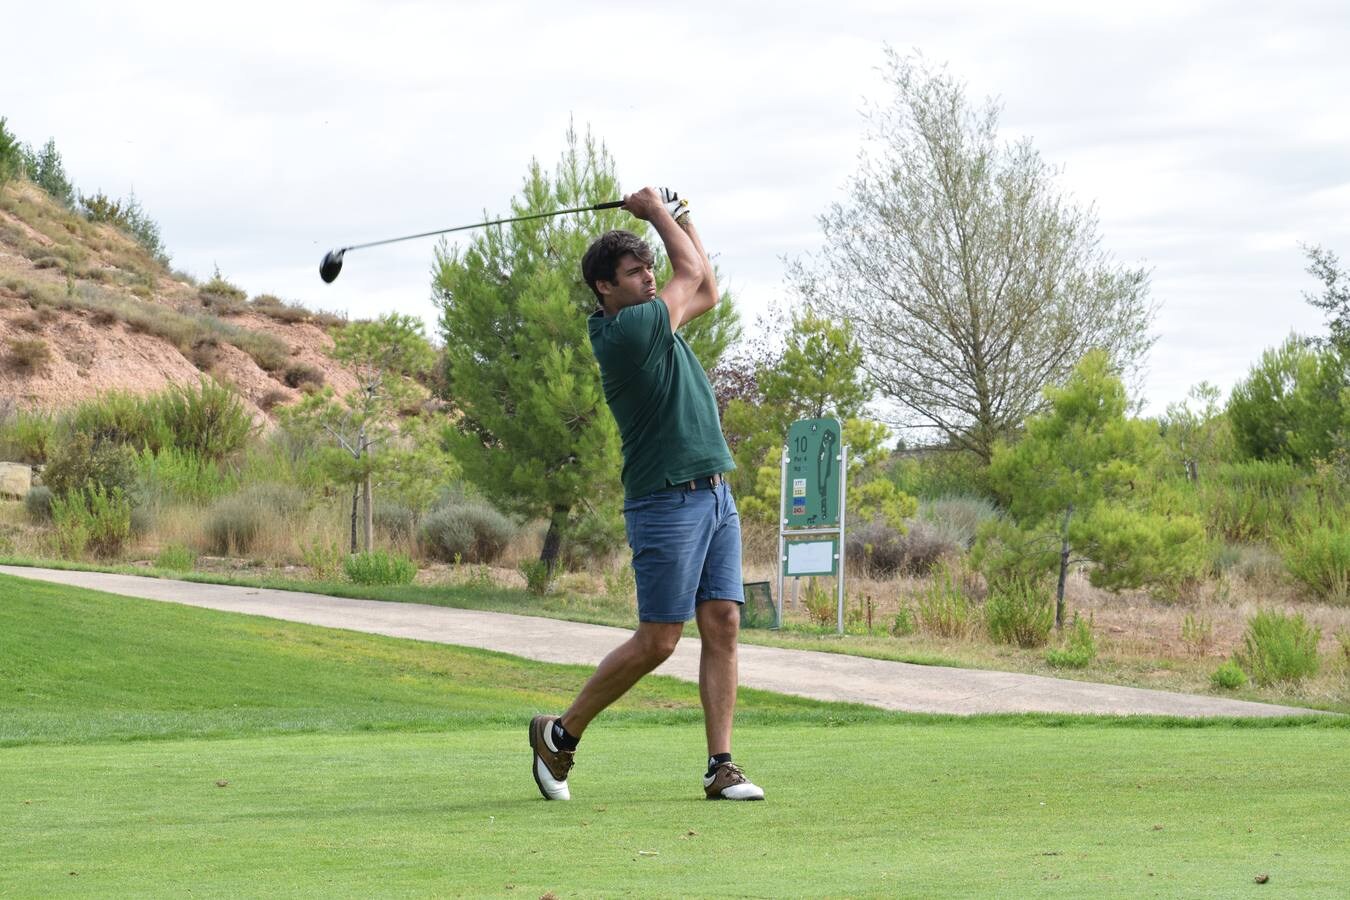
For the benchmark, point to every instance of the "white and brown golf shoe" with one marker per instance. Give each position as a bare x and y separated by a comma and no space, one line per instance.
728,782
549,765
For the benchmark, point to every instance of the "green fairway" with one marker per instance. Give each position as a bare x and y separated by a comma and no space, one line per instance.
155,750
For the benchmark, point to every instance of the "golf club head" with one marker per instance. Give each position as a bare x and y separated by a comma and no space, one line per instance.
331,265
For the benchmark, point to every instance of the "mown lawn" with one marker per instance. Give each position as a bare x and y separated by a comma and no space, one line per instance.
151,750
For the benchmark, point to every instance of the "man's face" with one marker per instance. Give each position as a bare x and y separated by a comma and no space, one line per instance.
634,282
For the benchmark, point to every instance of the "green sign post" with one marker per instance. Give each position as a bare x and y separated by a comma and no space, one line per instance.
811,534
812,496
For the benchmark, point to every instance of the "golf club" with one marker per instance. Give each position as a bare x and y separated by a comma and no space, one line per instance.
332,260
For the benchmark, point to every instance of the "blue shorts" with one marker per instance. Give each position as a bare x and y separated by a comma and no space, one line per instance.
686,549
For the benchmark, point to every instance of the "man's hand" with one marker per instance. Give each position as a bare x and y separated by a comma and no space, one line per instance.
646,204
677,206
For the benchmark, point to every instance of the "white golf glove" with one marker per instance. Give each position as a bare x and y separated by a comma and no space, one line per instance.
675,204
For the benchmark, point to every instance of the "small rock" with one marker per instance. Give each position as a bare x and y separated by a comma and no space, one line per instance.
222,783
1262,878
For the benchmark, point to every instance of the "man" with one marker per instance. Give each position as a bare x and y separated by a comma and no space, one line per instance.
681,520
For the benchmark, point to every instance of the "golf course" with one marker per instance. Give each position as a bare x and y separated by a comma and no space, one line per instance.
151,749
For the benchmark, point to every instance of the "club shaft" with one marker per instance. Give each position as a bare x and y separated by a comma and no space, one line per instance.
612,204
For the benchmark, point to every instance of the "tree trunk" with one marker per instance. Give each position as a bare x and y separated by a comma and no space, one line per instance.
356,498
1063,569
553,540
368,509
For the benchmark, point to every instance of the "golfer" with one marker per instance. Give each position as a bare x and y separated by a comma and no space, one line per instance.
681,520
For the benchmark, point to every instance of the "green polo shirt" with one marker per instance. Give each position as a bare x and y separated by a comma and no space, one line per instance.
660,398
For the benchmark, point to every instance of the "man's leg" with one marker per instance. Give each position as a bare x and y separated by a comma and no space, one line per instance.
719,623
650,645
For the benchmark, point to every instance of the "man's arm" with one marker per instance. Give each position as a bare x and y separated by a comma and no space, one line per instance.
688,265
707,296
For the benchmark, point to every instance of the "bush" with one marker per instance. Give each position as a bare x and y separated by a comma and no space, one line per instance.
117,417
29,356
1019,612
325,560
303,377
234,524
940,473
221,292
958,517
38,503
397,520
466,530
1228,677
209,420
94,519
1251,501
593,536
27,437
943,608
877,548
176,558
1080,650
379,567
904,624
1277,647
173,475
1319,558
822,604
885,551
78,462
538,577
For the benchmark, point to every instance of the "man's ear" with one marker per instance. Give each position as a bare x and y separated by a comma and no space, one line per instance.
605,288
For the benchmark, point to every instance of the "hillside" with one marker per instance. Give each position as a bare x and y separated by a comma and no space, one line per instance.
84,308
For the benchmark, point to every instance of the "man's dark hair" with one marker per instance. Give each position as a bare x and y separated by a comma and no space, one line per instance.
601,261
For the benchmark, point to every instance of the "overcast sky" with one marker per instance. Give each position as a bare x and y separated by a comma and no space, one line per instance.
1211,137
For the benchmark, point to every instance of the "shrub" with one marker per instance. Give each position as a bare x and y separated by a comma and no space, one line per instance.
904,623
1319,558
181,475
303,376
118,417
78,462
324,560
1197,634
1080,650
538,577
94,519
209,420
38,503
885,551
204,353
466,530
176,558
27,437
1277,647
29,355
396,520
940,473
877,548
593,536
1019,611
379,567
943,608
1228,677
272,399
958,517
234,524
220,295
1251,501
822,604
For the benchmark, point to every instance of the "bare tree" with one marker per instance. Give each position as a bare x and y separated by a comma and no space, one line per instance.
971,283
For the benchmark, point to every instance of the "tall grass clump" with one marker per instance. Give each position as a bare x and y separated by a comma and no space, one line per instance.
174,475
1079,650
79,461
208,420
234,524
1019,611
1279,648
943,608
27,437
176,558
118,417
1319,558
1251,501
380,567
91,520
467,530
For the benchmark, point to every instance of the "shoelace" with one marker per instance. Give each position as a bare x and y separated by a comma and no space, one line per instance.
733,770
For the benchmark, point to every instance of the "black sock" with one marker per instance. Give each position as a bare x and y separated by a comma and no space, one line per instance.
717,760
561,739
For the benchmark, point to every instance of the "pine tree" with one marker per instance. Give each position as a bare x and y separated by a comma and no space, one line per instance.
535,435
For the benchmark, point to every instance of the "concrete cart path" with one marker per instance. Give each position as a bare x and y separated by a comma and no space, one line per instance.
822,676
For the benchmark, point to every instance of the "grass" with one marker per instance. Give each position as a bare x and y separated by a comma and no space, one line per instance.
155,750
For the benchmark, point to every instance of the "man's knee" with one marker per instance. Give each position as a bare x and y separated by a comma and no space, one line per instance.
719,620
657,641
